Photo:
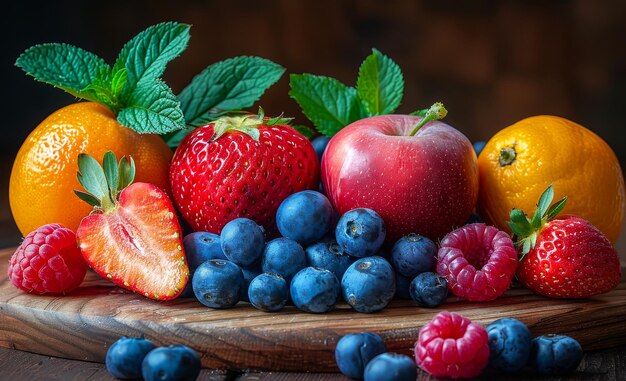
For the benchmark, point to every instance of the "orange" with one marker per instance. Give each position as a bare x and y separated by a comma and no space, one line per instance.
44,172
520,161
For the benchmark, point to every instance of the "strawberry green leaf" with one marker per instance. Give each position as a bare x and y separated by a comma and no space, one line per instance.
380,84
556,208
64,66
545,200
328,103
126,172
232,84
526,247
109,163
308,132
92,178
146,55
89,199
153,108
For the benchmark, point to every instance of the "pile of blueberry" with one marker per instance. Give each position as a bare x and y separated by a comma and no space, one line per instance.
318,259
133,358
508,347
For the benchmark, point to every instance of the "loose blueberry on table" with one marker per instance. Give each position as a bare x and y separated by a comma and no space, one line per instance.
354,351
413,254
390,367
125,356
173,363
509,345
428,289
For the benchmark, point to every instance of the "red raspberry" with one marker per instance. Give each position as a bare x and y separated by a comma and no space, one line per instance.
472,247
452,346
48,261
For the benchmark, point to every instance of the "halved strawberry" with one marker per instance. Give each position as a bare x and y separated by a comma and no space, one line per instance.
132,237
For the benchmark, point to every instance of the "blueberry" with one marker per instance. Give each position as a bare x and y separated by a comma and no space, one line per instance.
413,255
402,287
125,356
390,367
360,232
174,363
428,289
242,241
478,146
369,284
319,145
328,255
315,290
268,292
284,257
200,247
555,354
249,273
509,345
354,351
305,217
218,283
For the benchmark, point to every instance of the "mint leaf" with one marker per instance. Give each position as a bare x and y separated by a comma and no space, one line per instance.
328,103
65,66
380,84
153,108
232,84
307,131
145,56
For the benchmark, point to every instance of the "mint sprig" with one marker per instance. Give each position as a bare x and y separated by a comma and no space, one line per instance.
331,105
527,229
224,88
132,88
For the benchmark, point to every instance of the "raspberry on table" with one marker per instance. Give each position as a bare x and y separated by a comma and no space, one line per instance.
48,261
478,261
452,346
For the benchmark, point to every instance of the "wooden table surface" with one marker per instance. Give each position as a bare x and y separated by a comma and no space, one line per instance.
601,365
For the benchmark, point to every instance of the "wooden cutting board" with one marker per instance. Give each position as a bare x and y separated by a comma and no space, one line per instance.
85,323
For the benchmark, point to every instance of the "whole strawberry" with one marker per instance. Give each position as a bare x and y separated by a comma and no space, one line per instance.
132,237
240,166
565,257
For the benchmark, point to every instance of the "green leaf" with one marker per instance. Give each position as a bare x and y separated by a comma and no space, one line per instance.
89,199
109,163
118,82
307,131
66,67
544,201
328,103
380,84
556,208
91,177
126,170
153,108
526,246
174,138
519,223
146,55
233,84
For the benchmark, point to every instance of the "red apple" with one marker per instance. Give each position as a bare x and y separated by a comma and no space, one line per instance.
426,183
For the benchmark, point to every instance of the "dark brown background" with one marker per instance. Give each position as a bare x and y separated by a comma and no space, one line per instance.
491,62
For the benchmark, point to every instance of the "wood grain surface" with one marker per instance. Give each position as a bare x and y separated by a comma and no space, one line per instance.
598,365
85,323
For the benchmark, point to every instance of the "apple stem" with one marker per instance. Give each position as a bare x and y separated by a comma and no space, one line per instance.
435,112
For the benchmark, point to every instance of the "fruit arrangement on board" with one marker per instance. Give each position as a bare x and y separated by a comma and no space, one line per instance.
249,209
